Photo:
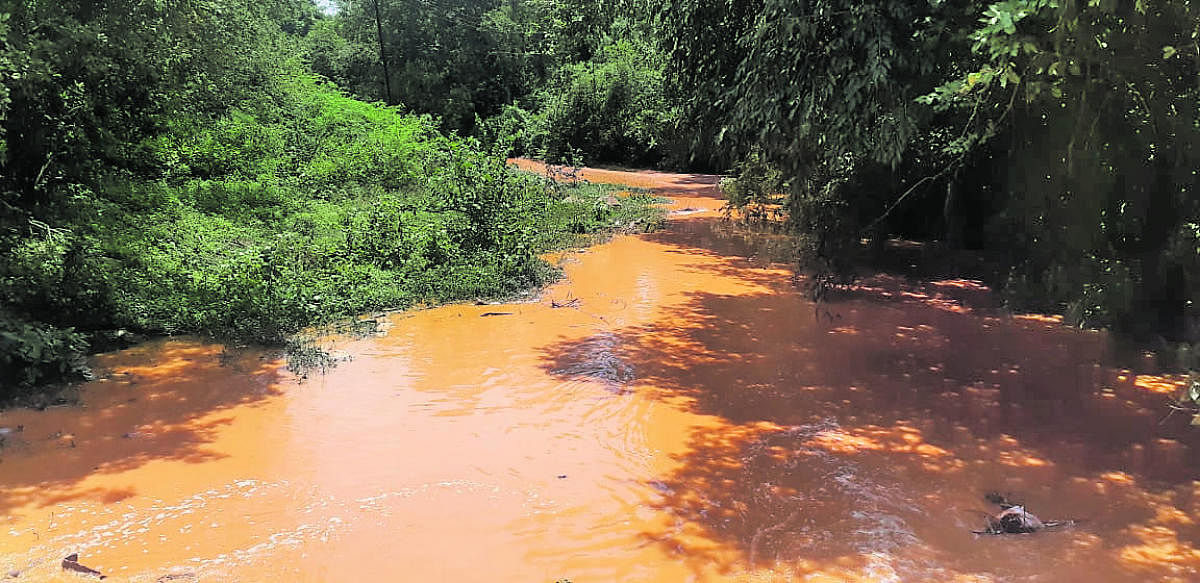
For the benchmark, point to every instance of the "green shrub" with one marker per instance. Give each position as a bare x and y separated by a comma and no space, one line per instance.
612,108
755,188
32,352
283,215
515,131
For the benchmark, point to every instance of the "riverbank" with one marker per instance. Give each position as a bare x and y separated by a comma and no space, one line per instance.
232,273
673,409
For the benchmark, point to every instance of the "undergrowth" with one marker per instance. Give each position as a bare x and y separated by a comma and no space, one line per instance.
295,211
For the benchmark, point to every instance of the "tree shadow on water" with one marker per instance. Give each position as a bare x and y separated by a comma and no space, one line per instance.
161,401
872,426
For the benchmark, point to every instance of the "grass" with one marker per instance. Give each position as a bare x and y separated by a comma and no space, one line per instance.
577,215
588,213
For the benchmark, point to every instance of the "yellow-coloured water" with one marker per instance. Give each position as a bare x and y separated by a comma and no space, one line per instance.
692,417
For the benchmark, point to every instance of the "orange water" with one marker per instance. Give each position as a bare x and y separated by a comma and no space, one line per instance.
692,418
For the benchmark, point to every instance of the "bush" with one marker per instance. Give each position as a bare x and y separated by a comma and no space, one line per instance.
515,131
755,190
32,352
283,215
610,109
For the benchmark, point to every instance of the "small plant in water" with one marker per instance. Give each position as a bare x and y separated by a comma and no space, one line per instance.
304,356
1188,399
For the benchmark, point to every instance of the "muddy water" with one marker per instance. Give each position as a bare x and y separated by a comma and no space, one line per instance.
691,418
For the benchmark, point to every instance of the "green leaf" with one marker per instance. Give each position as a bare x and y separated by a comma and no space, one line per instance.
1006,22
1168,52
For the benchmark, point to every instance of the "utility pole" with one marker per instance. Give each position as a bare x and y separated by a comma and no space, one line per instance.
387,79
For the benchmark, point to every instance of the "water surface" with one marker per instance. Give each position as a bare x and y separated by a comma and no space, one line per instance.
691,418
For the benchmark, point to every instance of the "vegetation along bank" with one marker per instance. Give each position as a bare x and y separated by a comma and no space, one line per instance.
245,168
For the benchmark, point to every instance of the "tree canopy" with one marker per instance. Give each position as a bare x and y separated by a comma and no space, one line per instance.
1059,136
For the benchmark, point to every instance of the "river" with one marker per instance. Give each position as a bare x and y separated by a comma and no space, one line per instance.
686,414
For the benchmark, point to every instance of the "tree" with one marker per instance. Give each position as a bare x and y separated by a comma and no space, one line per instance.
88,80
1095,110
1066,132
823,90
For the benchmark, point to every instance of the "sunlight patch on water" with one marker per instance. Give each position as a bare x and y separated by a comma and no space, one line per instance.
683,413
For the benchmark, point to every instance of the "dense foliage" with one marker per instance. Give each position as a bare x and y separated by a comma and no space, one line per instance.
1096,112
195,178
563,80
248,167
1058,137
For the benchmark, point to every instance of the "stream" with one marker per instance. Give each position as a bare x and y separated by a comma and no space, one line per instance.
675,409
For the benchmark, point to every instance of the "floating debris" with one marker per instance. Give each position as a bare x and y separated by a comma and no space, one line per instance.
7,432
1014,519
71,563
169,577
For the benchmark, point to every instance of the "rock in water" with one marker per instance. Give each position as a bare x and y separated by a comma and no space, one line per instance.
1014,519
71,563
